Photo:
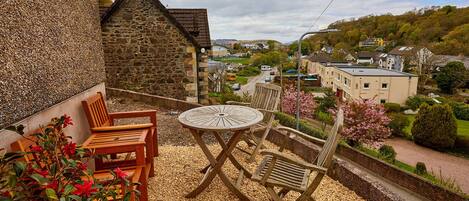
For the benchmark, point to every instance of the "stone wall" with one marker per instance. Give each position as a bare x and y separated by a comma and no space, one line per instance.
50,50
145,52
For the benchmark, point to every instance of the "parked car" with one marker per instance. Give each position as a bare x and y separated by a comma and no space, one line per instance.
268,79
291,71
266,68
236,86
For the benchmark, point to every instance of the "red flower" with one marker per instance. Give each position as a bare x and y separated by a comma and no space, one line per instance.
67,120
54,185
36,149
82,166
43,173
70,148
84,189
119,173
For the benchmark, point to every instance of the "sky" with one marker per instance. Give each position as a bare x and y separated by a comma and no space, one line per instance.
286,20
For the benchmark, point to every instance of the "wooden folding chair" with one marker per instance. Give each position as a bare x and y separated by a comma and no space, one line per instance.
266,98
101,121
290,174
134,174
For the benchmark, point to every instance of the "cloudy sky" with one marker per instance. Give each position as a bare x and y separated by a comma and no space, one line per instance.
286,20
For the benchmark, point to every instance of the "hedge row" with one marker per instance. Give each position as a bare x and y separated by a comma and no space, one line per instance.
290,121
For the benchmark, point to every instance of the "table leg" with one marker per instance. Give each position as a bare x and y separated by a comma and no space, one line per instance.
150,153
231,157
216,166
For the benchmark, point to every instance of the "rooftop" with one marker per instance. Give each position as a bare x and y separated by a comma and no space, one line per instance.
364,71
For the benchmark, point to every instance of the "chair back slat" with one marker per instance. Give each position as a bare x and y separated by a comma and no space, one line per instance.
267,97
325,155
24,145
96,111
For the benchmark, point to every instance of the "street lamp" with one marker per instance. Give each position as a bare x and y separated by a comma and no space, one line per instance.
298,71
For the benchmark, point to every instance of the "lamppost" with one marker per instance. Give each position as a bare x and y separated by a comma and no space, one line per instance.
298,85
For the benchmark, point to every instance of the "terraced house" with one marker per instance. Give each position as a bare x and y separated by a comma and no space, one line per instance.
149,48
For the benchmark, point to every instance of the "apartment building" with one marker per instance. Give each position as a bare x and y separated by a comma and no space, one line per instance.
381,85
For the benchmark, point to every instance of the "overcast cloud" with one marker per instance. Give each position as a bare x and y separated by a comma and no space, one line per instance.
286,20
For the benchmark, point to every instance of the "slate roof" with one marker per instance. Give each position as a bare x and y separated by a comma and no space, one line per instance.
106,12
319,57
405,50
195,21
367,54
364,71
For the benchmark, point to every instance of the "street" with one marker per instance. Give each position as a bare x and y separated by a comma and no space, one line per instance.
251,85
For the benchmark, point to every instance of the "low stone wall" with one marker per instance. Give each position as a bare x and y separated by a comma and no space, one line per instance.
160,101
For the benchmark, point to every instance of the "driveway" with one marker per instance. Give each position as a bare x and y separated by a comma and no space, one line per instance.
451,166
251,85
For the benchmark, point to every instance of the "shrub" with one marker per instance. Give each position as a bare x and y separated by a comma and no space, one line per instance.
325,118
229,97
328,102
307,103
414,102
461,110
365,122
387,153
398,123
290,121
249,71
420,168
435,127
392,107
452,76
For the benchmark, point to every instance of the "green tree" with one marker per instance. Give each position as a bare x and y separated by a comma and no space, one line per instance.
435,127
306,48
452,76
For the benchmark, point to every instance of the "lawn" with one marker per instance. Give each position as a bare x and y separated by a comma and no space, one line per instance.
463,127
244,61
240,79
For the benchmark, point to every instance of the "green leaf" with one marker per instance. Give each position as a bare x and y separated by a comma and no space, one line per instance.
17,129
51,195
53,169
12,180
68,189
75,197
19,168
40,179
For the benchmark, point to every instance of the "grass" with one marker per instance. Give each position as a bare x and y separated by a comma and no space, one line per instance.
244,61
241,80
463,127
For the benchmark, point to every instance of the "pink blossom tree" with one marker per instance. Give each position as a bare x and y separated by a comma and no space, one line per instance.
365,122
307,103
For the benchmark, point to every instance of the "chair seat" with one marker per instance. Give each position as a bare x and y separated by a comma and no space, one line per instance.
284,174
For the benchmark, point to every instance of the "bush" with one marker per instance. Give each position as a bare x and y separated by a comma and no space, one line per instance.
249,71
290,121
461,110
325,119
451,77
414,102
435,127
398,123
387,153
229,97
392,107
420,168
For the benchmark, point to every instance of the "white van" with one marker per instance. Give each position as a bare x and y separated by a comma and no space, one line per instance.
266,68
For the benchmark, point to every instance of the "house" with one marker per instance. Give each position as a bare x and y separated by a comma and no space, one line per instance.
442,60
381,85
327,49
322,64
219,51
380,59
366,57
411,57
225,42
51,68
312,62
149,48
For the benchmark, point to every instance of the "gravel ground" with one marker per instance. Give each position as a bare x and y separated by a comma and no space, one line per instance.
177,168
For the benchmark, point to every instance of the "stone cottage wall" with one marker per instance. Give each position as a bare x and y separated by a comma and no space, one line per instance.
50,51
144,52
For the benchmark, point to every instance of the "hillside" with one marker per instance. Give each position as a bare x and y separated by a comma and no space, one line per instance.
443,30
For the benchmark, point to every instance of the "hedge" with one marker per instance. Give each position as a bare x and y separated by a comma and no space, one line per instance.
290,121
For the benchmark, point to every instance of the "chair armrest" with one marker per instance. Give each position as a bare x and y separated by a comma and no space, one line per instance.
300,134
121,127
268,111
134,114
290,159
237,103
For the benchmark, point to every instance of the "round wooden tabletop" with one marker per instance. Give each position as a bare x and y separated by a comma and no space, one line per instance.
220,117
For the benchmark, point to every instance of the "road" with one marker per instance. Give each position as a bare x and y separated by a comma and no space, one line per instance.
251,85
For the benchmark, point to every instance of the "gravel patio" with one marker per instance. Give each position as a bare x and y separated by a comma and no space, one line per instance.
177,168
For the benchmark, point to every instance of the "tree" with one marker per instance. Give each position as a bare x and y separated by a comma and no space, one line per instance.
327,102
435,126
306,48
452,76
365,122
307,103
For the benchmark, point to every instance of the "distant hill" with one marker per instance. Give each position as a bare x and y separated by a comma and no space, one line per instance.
444,30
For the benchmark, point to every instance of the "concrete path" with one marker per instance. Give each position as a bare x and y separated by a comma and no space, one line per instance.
451,166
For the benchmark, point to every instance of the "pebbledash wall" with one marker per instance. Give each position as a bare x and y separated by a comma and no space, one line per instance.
145,52
51,58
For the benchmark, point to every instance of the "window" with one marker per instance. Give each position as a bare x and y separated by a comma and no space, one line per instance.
384,85
346,81
338,76
382,101
366,85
